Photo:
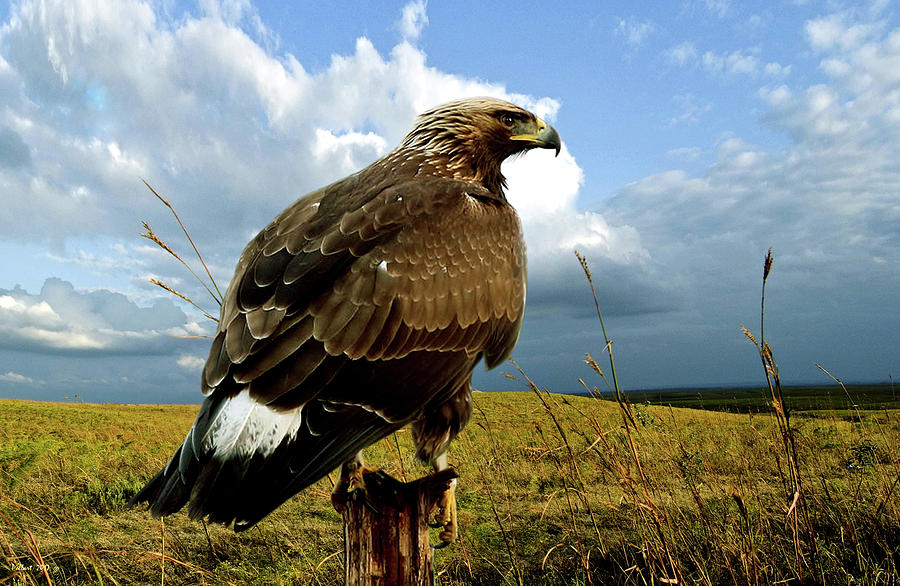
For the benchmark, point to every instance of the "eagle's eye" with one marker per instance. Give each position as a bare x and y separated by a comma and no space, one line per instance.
507,120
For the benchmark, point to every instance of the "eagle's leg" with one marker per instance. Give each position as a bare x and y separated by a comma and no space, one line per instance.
352,484
445,509
432,433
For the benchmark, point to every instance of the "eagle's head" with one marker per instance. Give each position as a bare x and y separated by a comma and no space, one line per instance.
469,139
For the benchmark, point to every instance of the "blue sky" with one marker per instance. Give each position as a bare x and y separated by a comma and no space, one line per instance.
696,135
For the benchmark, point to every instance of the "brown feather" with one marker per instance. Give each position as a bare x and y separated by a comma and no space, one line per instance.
400,344
361,345
217,365
443,316
263,322
238,340
357,284
332,314
288,374
389,330
281,347
344,339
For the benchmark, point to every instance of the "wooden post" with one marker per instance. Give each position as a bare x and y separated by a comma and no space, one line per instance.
386,535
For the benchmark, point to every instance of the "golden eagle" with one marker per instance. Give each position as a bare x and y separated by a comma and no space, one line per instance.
362,308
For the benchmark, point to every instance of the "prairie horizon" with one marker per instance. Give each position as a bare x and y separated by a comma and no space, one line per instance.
872,393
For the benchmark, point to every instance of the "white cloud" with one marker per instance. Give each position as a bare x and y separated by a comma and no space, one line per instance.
62,320
689,110
682,54
34,312
412,20
719,8
685,153
776,96
756,21
545,190
190,362
120,260
18,379
348,152
634,31
737,62
777,70
230,11
541,184
833,31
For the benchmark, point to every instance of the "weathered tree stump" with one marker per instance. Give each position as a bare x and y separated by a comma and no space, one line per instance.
386,535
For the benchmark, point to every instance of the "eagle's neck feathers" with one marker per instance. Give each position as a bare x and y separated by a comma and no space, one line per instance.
453,151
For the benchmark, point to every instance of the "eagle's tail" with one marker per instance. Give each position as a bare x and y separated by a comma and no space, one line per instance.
168,491
228,484
172,487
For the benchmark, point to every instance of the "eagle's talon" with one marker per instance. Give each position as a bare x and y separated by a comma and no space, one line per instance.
445,516
446,537
351,486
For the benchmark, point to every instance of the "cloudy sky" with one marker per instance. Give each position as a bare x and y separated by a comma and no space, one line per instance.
697,135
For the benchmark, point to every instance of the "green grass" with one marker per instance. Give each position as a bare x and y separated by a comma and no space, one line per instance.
551,492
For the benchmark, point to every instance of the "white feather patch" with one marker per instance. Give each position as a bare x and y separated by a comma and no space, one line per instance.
244,427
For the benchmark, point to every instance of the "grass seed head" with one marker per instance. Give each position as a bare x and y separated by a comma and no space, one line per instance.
767,264
152,237
584,266
749,334
589,360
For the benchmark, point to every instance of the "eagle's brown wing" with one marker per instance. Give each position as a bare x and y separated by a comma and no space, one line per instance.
430,264
354,310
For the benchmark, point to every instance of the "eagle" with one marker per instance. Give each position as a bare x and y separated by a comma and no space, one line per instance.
360,309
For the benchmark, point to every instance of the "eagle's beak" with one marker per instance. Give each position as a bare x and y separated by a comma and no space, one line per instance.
545,137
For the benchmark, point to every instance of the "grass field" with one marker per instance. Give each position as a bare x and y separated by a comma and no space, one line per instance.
553,490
